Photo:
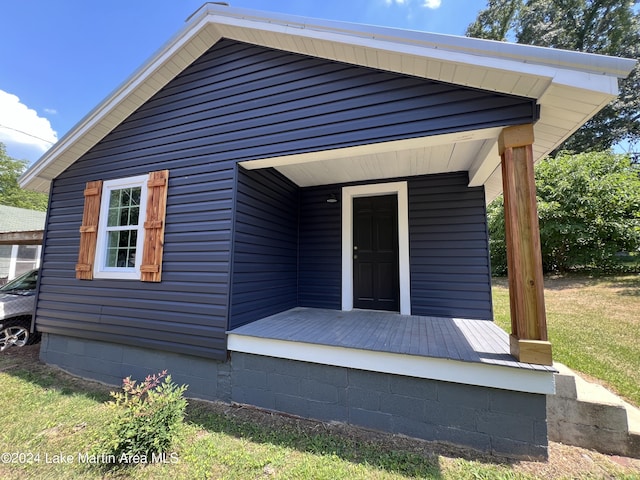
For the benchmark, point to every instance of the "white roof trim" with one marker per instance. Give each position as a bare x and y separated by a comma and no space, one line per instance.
503,67
510,51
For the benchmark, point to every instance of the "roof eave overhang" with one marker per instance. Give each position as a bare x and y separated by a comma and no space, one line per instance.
535,72
31,237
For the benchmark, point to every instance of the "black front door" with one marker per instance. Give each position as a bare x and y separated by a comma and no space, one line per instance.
376,284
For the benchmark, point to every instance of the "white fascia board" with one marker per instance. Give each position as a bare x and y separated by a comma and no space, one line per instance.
431,368
588,62
132,87
493,186
380,45
481,60
605,84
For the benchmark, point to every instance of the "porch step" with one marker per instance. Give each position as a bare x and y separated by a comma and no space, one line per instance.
588,415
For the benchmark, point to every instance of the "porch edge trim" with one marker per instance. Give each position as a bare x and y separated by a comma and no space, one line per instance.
447,370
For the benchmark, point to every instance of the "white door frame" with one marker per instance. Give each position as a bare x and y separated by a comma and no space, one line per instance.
376,189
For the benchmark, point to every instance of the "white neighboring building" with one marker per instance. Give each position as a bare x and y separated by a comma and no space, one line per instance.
20,241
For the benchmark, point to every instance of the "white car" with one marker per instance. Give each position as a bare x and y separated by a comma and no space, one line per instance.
17,303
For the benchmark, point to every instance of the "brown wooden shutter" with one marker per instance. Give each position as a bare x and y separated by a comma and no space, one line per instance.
151,268
89,230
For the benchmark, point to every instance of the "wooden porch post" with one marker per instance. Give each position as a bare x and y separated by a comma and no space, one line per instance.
528,338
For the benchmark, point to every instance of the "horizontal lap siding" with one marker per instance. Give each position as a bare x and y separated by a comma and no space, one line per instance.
187,311
449,261
265,277
237,102
263,103
449,253
320,266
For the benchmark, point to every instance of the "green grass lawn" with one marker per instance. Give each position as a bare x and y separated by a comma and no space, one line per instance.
593,325
52,420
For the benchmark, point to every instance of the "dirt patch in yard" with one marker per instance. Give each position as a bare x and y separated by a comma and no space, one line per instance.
564,461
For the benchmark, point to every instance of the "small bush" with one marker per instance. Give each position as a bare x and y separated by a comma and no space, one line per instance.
146,416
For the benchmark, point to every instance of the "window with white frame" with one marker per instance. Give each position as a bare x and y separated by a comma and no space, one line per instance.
27,258
121,228
120,235
18,259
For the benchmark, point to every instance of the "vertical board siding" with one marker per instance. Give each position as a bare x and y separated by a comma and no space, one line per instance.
241,102
449,248
265,254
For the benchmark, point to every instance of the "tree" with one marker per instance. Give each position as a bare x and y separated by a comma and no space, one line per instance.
589,211
10,192
608,27
496,21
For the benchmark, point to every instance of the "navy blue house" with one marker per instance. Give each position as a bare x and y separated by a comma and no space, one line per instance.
290,213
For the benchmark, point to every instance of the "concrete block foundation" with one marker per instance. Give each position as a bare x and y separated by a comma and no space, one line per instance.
498,421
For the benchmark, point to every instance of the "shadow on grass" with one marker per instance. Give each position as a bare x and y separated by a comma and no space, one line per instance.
392,453
310,437
553,282
23,363
627,284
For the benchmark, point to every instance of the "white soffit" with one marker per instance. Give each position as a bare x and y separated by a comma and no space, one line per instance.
419,156
556,78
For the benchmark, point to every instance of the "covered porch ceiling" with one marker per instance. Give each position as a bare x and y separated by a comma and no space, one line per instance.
474,151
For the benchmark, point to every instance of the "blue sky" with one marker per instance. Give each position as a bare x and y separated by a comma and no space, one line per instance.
59,59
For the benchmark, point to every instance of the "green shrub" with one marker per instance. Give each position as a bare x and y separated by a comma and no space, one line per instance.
146,417
589,215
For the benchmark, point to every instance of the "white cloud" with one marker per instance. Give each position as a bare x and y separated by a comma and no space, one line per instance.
50,111
24,133
432,4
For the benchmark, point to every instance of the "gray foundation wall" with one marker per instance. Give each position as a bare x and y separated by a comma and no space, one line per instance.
487,419
111,363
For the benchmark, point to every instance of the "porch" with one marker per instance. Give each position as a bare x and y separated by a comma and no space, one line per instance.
472,352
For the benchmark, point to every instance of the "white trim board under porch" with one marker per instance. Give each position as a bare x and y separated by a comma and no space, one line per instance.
472,352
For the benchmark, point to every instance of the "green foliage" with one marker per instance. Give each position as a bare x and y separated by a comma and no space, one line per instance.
11,194
146,417
608,27
496,21
589,211
497,237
